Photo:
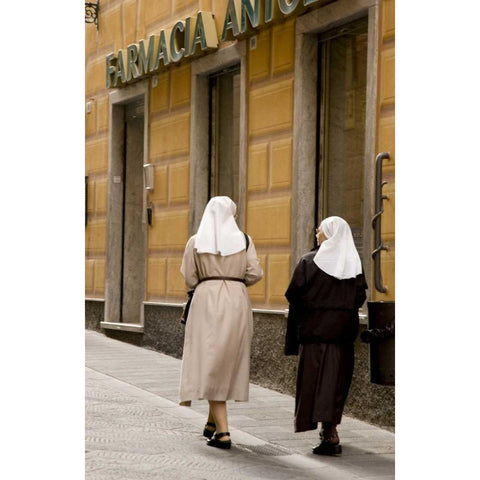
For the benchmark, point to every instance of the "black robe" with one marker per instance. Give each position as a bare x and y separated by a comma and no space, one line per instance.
322,326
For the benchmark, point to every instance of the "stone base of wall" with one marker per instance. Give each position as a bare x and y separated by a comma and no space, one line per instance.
367,401
269,367
163,331
94,314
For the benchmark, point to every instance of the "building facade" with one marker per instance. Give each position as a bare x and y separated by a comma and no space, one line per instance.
283,105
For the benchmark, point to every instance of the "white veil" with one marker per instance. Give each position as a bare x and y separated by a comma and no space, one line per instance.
337,255
218,232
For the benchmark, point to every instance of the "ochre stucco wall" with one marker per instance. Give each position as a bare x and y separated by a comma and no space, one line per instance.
269,184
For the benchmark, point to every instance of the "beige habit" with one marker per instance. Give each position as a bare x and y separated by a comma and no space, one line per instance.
218,334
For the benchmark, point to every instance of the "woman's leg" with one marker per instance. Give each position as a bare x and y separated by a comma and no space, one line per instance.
329,433
210,420
219,412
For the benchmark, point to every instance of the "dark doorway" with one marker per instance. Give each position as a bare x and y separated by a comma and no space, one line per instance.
342,97
133,236
126,225
224,133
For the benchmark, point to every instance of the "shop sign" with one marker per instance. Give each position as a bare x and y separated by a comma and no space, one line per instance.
243,16
195,36
187,38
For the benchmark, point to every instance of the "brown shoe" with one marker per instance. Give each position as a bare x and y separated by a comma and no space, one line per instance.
326,448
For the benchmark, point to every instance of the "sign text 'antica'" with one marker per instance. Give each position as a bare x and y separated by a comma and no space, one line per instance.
196,35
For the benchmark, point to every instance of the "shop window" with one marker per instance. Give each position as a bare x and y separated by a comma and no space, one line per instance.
342,97
224,133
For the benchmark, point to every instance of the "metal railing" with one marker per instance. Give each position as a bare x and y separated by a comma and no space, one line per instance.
377,221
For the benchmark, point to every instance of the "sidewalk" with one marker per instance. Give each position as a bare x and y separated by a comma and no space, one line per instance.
135,428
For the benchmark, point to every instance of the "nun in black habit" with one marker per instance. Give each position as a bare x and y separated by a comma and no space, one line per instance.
326,290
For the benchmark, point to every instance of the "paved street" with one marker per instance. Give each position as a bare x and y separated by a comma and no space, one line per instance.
136,430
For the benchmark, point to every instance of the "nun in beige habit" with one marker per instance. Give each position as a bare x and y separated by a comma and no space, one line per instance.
326,290
218,334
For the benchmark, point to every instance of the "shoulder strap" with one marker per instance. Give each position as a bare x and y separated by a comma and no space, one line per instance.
247,241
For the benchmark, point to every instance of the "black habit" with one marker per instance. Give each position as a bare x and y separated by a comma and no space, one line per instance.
322,326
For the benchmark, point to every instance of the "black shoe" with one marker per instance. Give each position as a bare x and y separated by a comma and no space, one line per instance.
207,432
215,442
327,448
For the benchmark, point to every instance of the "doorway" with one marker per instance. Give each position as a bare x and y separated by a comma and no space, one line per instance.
132,235
342,98
126,222
224,89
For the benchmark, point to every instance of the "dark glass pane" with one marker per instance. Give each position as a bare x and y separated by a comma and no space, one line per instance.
225,115
344,100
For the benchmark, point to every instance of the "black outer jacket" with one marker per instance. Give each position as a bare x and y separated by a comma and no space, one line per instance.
322,308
